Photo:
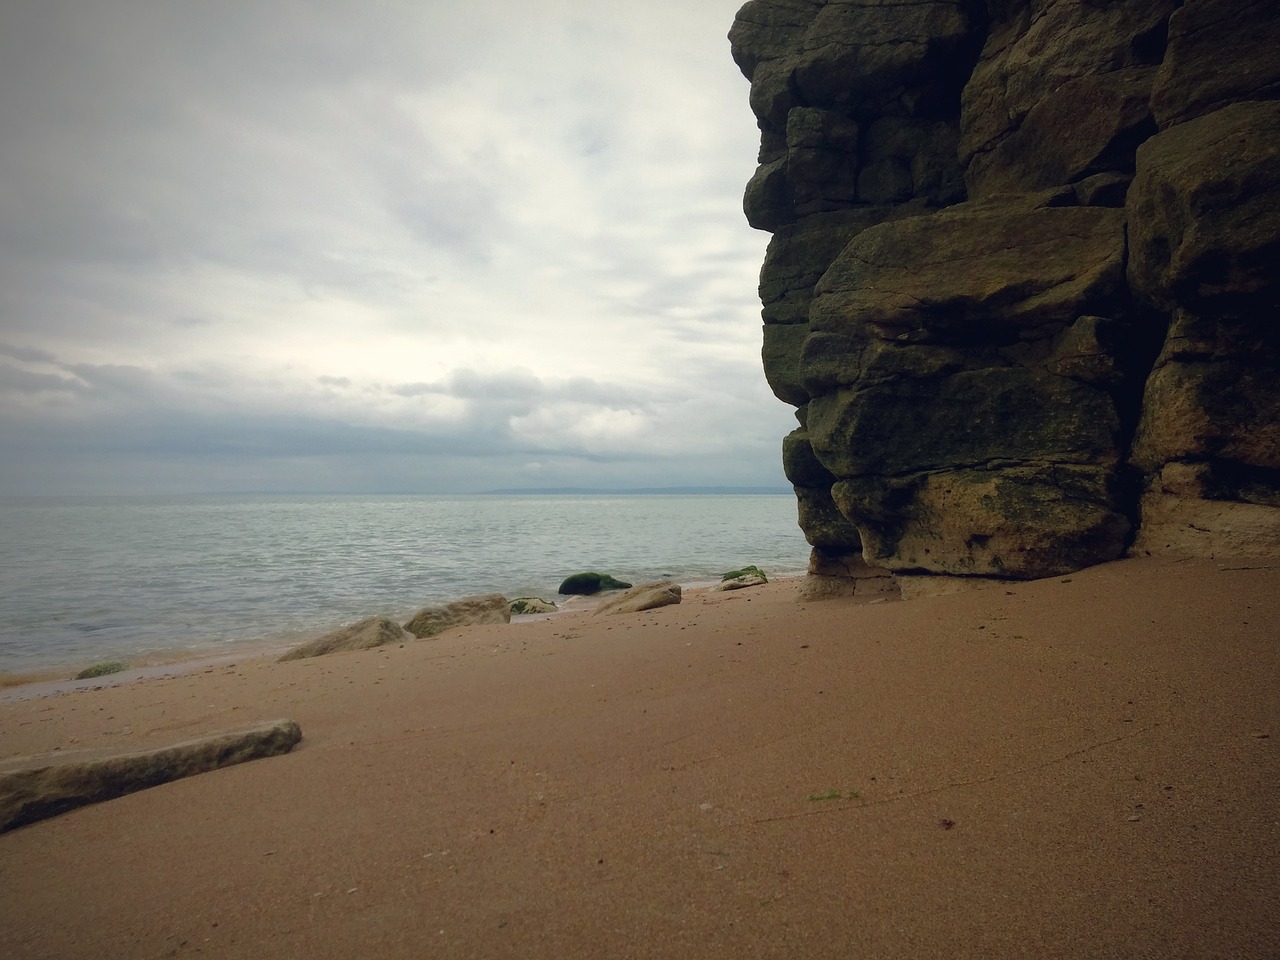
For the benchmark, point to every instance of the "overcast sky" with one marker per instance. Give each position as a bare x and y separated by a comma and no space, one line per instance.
387,245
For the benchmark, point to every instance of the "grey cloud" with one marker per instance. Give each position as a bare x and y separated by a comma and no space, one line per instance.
138,133
415,389
153,440
459,218
134,408
77,229
523,385
507,385
138,439
27,354
601,394
120,380
19,381
196,434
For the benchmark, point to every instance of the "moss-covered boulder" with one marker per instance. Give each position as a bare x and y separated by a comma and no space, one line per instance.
751,576
103,669
585,584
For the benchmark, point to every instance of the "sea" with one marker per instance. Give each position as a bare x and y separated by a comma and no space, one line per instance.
87,579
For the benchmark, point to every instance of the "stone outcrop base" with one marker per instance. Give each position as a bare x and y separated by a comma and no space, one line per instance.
835,576
1187,527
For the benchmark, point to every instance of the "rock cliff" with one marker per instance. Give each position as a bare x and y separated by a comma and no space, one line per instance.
1022,284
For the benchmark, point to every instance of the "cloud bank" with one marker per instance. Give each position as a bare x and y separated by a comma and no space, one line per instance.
398,246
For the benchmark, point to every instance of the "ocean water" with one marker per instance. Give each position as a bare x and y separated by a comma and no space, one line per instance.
87,579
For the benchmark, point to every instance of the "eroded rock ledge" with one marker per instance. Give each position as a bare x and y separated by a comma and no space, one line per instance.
1021,286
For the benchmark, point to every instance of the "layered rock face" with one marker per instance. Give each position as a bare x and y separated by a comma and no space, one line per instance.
1022,286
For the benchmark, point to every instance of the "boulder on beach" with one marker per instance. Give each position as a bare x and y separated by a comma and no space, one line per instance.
373,632
528,605
750,576
647,596
103,669
33,788
585,584
740,582
469,611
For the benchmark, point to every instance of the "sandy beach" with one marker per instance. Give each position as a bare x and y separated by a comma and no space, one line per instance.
1079,767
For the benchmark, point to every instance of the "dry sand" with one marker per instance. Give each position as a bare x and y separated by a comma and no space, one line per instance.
1081,767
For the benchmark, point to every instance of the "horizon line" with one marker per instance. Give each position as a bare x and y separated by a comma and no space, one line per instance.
506,491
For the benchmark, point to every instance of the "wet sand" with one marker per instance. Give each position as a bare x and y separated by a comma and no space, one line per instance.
1079,767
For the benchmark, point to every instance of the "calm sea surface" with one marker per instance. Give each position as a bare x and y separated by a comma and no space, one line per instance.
85,579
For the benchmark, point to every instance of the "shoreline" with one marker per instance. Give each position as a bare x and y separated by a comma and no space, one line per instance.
198,576
53,681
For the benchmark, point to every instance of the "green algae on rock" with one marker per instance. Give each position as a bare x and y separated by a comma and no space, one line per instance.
103,669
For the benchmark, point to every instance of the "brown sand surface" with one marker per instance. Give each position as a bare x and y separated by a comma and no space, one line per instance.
1080,767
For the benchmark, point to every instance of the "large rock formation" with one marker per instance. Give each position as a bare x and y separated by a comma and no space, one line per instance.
1021,283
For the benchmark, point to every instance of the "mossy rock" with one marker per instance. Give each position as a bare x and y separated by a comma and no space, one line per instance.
585,584
529,605
102,669
751,571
